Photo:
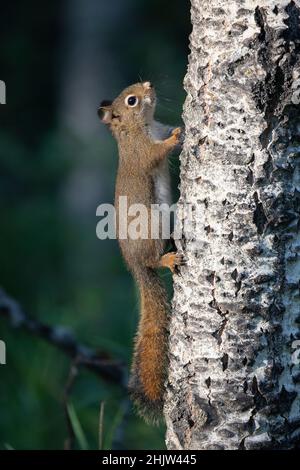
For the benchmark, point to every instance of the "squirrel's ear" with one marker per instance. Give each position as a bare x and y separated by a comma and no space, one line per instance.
105,112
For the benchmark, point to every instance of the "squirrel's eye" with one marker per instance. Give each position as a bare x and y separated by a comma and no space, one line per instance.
131,100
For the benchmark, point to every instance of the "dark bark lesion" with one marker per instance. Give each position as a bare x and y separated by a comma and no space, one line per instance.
259,216
278,52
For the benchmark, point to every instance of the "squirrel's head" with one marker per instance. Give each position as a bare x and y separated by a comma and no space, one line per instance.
133,107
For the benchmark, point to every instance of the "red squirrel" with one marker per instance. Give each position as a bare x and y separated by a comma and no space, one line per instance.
143,176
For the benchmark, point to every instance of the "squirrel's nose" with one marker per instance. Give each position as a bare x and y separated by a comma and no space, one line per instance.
147,85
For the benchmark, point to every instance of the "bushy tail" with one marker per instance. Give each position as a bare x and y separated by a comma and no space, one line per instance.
149,367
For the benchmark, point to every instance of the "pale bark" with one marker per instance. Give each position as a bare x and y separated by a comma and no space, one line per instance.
233,383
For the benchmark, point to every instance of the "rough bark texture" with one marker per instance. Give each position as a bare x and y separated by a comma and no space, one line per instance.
236,310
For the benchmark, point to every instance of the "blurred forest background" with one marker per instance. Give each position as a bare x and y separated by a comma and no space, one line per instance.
59,59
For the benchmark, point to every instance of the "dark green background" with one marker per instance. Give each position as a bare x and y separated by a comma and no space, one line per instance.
57,164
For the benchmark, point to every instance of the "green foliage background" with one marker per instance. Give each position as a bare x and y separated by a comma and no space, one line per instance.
50,259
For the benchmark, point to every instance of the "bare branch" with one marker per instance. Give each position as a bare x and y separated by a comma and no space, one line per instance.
63,338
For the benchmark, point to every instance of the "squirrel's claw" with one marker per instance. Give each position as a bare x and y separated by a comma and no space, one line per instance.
180,260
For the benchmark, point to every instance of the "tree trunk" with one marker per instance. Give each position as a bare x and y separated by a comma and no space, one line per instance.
233,381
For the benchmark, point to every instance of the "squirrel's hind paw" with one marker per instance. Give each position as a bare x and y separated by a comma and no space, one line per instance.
172,261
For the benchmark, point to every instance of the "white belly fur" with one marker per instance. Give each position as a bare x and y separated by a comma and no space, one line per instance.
161,175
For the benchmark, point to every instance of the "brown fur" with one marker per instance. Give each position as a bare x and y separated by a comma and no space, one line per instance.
149,367
139,158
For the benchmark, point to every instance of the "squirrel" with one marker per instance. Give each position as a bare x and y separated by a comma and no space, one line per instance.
143,176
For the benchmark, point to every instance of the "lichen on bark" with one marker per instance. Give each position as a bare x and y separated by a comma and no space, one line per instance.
232,380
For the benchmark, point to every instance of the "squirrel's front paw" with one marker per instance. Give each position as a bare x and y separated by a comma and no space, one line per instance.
174,139
176,133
